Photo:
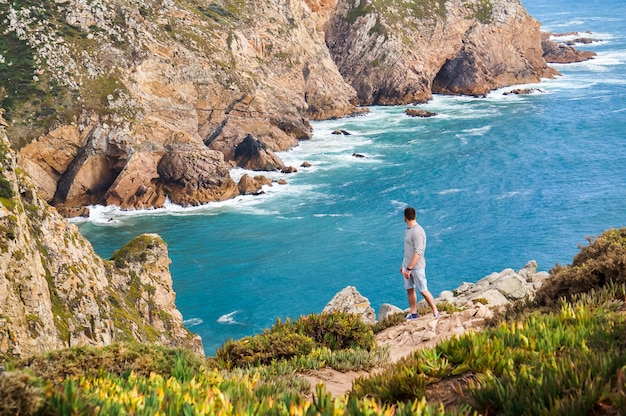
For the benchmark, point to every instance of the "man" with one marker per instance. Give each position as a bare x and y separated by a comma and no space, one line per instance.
414,264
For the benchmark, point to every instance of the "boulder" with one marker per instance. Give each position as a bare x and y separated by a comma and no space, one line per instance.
289,169
386,310
135,186
522,91
252,186
560,53
492,297
253,154
498,288
580,41
349,300
419,113
191,174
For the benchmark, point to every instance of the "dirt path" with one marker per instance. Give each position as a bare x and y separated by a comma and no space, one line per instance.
403,339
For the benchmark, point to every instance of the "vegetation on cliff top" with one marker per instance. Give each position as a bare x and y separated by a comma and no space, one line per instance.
563,357
414,11
57,57
136,250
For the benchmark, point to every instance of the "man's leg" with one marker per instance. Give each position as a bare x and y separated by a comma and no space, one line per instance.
412,296
431,302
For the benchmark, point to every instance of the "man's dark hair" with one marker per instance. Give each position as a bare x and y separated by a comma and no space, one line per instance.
409,213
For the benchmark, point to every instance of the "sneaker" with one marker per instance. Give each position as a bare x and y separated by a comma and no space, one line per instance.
411,316
436,315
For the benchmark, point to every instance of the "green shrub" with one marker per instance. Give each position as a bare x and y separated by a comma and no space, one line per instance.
400,383
135,250
337,330
19,394
115,359
601,262
6,191
574,385
565,362
388,322
263,349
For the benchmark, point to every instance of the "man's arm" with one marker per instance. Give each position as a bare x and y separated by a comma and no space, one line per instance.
414,260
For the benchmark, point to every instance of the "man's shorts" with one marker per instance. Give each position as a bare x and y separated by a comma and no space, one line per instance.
417,280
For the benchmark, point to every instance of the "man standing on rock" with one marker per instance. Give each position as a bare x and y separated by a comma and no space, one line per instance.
414,264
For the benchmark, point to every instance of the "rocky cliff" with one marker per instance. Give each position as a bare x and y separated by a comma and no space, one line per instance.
393,52
129,103
132,102
55,292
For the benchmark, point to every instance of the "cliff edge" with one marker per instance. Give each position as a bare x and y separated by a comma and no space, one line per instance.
55,292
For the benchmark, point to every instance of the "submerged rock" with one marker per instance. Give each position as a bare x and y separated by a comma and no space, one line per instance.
419,113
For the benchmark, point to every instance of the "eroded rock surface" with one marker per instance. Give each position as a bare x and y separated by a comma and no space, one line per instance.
349,300
400,54
55,292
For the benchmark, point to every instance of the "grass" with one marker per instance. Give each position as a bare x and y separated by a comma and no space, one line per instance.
568,360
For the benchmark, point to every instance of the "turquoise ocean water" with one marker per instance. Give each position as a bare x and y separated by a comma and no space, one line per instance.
497,181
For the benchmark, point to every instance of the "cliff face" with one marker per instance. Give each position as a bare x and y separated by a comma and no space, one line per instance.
130,103
55,292
130,90
394,53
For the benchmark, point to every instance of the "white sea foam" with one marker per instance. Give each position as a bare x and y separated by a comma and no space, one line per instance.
332,215
476,132
193,322
508,195
450,191
479,131
458,108
114,216
398,206
570,36
228,319
566,24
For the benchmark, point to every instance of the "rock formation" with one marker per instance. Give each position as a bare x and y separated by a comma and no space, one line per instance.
476,303
55,292
254,154
523,91
498,288
400,53
495,290
562,52
252,186
413,112
473,304
129,103
349,300
130,80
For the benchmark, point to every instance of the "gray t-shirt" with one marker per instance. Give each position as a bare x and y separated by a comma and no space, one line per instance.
414,242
